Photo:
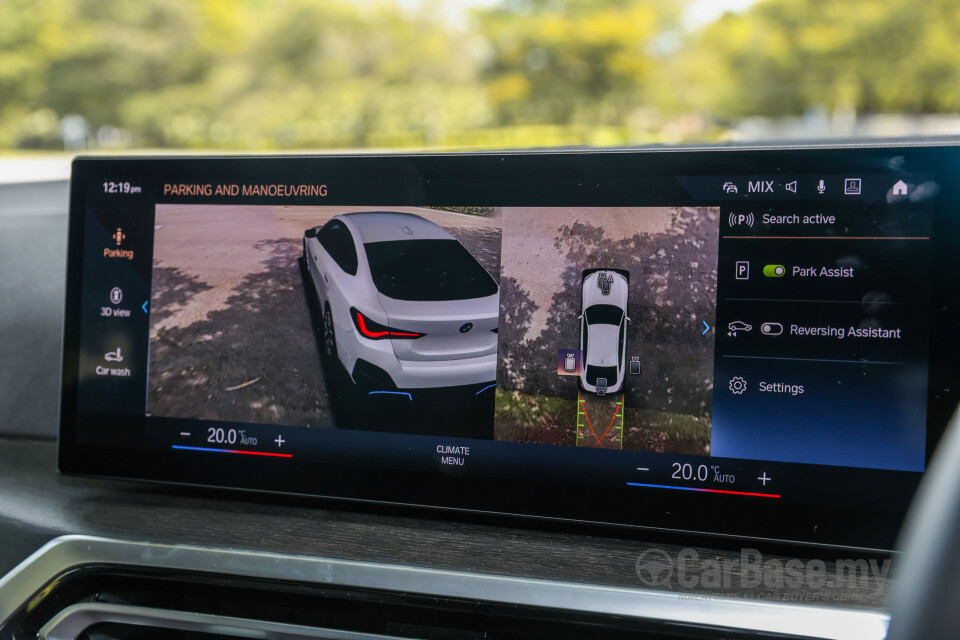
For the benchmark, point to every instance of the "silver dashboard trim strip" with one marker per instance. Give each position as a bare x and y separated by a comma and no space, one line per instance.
74,620
27,580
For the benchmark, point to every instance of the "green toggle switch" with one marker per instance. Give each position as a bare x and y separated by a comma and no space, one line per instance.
774,271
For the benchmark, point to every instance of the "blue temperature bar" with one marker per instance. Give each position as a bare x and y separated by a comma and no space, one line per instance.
249,453
732,493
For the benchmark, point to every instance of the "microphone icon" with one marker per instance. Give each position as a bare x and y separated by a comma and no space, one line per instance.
821,187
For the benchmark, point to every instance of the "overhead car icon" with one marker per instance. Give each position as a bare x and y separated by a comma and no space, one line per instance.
603,329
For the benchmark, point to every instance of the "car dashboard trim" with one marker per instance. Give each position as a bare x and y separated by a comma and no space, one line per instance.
73,621
27,582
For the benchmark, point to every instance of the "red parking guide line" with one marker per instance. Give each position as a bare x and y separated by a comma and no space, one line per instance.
248,453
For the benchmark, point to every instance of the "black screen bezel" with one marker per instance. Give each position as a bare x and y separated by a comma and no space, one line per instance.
584,178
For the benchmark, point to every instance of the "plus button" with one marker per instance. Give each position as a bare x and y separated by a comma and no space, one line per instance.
279,441
764,479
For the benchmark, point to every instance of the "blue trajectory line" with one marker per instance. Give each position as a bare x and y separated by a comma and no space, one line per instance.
393,393
489,386
706,327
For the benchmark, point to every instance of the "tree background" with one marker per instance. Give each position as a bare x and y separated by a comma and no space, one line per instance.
295,74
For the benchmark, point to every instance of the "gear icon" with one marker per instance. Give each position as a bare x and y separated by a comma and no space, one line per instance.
738,385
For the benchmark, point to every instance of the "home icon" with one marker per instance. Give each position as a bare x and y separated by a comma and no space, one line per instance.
900,188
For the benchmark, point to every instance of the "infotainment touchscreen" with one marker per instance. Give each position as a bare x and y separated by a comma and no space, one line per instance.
744,342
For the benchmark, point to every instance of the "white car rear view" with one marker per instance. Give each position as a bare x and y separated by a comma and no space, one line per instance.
405,305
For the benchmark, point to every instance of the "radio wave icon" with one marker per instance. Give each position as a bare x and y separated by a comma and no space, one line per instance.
738,219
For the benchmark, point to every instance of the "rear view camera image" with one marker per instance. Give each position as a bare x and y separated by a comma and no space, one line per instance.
602,318
382,319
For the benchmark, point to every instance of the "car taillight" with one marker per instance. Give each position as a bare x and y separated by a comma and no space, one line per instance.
376,331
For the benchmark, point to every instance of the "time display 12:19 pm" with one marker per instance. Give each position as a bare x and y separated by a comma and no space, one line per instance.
120,187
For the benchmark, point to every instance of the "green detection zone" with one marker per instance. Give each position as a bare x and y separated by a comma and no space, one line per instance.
774,270
599,424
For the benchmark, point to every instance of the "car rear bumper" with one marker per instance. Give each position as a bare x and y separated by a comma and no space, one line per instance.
424,374
416,374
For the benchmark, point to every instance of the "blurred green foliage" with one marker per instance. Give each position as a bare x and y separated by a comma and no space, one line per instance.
287,74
